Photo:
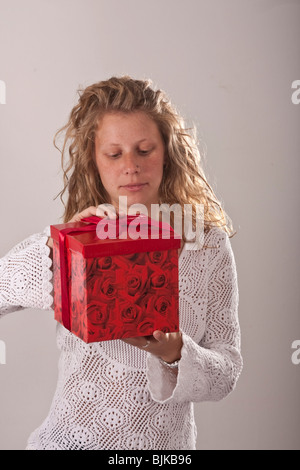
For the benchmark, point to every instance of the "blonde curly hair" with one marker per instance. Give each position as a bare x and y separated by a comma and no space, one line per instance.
183,181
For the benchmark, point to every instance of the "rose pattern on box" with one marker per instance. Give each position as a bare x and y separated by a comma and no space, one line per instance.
120,296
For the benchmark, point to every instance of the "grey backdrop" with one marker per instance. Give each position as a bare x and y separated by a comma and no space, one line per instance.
228,66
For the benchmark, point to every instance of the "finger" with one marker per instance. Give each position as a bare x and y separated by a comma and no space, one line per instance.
139,342
85,213
50,242
92,210
106,210
75,218
160,336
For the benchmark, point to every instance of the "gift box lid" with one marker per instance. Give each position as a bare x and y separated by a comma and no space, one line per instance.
82,236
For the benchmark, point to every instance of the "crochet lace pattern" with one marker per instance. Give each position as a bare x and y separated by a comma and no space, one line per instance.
112,395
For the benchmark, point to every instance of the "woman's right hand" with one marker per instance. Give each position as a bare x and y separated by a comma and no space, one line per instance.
77,218
50,242
104,210
90,211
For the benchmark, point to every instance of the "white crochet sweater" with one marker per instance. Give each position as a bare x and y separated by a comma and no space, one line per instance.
112,395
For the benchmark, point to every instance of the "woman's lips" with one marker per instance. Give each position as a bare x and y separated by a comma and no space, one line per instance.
134,187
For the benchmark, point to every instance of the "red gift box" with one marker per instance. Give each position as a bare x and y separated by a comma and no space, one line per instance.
118,287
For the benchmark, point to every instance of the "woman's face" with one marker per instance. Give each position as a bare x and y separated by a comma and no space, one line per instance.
130,157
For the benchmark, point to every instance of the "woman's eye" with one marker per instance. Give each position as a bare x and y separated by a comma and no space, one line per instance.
142,152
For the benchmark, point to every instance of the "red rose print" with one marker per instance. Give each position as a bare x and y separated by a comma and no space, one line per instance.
129,312
76,265
130,260
134,280
145,328
103,286
78,289
136,258
100,334
132,257
126,330
144,300
102,264
133,284
131,280
157,257
97,313
77,324
107,288
162,305
159,279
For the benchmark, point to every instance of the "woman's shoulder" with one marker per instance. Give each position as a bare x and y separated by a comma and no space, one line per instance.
214,245
212,238
216,237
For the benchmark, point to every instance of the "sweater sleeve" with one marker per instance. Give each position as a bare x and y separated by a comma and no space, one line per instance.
26,275
207,371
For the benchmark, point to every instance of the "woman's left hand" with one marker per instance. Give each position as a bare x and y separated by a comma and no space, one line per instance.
167,346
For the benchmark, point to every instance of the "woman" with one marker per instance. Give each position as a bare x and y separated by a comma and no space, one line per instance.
125,139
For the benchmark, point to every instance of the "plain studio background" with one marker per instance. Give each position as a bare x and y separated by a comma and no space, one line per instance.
228,66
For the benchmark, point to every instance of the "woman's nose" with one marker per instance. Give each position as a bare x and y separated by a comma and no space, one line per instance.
130,164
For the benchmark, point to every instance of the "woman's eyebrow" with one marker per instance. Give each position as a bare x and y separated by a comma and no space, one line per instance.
138,142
